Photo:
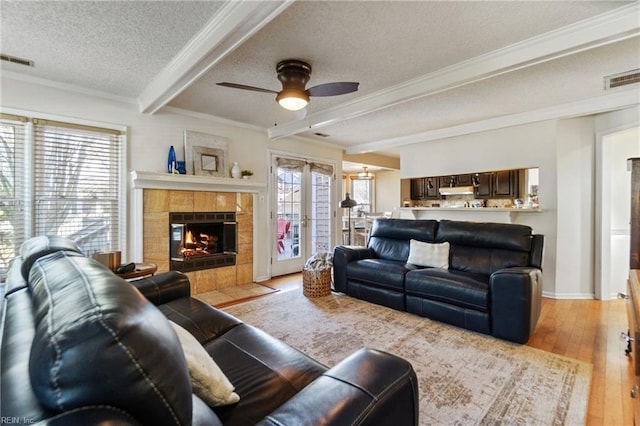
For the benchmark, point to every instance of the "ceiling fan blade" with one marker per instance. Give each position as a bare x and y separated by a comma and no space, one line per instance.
243,87
333,89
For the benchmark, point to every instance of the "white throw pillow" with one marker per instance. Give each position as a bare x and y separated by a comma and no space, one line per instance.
207,380
427,254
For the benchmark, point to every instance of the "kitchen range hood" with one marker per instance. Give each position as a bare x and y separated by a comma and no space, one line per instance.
456,190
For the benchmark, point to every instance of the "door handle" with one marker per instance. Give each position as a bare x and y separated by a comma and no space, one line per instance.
304,221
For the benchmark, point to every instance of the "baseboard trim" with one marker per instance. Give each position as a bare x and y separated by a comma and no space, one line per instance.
575,296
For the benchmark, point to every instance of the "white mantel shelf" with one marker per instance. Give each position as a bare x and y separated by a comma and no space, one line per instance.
153,180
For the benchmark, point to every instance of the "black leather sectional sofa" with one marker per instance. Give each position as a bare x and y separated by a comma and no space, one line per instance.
493,283
81,346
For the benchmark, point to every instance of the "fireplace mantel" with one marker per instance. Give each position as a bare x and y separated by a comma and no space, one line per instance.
141,181
152,180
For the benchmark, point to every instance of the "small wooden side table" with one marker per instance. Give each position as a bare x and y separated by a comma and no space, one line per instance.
142,270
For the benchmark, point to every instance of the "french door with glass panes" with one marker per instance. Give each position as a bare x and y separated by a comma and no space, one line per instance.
303,212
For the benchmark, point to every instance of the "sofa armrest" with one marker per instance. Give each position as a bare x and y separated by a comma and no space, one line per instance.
91,415
342,255
368,387
516,295
164,287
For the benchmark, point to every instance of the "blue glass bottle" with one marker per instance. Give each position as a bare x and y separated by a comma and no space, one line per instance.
171,166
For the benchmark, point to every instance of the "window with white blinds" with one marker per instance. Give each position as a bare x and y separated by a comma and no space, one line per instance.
12,210
72,186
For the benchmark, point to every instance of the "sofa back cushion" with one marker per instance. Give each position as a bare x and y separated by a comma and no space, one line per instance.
484,248
98,341
390,238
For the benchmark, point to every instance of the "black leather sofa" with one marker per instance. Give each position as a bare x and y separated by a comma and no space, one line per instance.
80,346
493,284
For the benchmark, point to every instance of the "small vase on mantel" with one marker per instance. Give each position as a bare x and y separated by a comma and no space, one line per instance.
235,171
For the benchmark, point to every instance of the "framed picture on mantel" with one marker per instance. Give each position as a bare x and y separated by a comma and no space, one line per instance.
206,155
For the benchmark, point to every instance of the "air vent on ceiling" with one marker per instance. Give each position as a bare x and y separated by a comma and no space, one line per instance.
16,60
622,79
322,135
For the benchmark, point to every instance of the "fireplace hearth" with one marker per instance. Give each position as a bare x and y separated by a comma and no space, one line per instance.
202,240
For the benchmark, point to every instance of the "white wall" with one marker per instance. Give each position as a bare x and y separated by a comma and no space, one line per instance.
575,214
150,136
387,191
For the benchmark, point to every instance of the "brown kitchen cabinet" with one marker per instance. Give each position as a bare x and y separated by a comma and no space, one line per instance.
505,184
445,181
421,190
454,180
463,180
500,184
431,188
417,188
485,187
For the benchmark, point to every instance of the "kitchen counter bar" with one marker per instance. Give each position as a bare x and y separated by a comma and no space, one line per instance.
489,214
478,209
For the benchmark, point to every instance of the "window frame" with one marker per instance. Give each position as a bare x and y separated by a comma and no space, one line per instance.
372,188
120,174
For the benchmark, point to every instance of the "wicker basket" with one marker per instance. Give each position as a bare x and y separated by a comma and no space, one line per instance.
316,283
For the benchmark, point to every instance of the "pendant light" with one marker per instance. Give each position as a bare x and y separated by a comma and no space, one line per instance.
364,174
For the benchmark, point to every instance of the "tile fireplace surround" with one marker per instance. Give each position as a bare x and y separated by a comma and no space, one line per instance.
155,195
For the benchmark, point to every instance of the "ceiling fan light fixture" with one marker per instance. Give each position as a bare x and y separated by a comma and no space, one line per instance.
294,76
292,99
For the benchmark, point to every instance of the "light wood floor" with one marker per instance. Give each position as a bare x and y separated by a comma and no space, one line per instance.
587,330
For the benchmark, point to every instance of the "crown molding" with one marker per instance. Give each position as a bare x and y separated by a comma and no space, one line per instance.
623,99
606,28
65,87
231,26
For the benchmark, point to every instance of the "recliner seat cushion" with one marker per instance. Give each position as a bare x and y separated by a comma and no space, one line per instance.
265,371
203,321
456,288
379,272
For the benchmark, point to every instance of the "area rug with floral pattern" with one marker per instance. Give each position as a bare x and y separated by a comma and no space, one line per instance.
464,378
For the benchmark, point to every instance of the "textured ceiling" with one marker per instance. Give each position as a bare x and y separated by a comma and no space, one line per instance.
534,87
376,43
122,48
115,47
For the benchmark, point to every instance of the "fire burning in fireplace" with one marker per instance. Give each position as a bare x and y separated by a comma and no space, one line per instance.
204,245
